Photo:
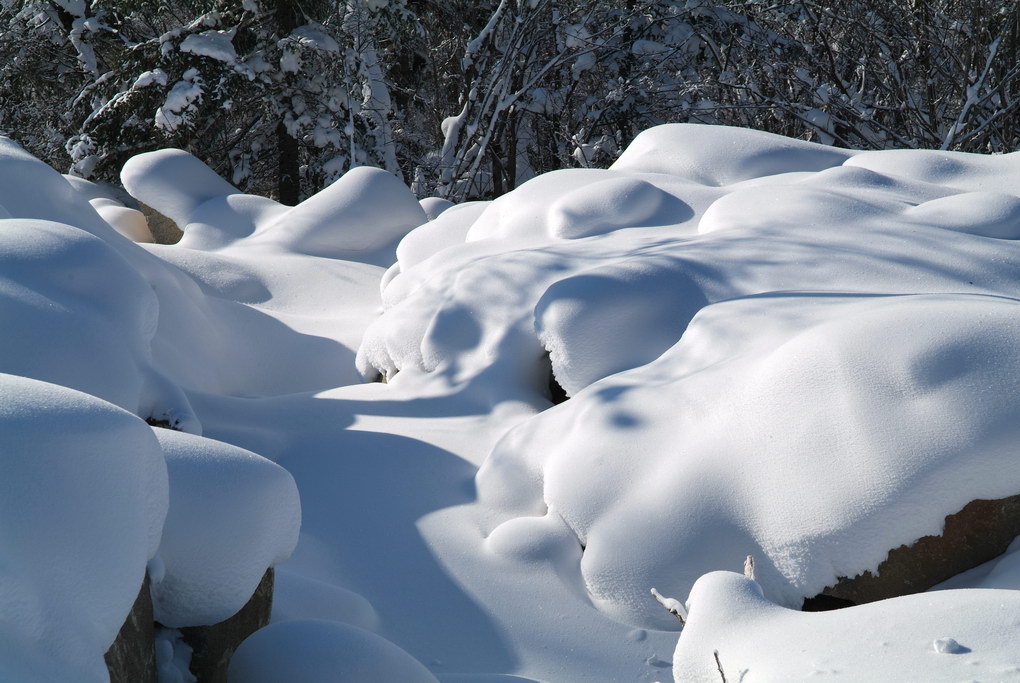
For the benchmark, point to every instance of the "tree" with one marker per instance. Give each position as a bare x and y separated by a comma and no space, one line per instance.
469,98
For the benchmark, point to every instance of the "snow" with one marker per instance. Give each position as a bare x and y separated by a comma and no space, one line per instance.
173,656
232,514
216,45
128,222
433,206
179,101
891,640
949,646
310,35
76,313
344,219
157,76
83,496
322,652
717,155
945,360
770,348
145,176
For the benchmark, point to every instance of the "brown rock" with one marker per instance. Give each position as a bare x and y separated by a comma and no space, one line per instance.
214,645
163,229
132,657
980,532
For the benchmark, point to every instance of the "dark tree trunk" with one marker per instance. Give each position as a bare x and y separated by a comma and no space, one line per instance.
288,181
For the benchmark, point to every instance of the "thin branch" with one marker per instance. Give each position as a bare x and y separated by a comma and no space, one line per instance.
718,666
672,605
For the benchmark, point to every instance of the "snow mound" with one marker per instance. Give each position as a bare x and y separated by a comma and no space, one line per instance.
347,219
791,231
83,495
173,182
232,515
76,312
850,425
717,155
944,636
344,220
586,320
575,203
315,651
433,206
988,214
299,597
787,205
227,219
609,205
128,222
448,230
813,277
959,171
31,189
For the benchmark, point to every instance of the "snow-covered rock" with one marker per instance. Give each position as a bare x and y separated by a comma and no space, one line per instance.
825,454
232,515
945,636
173,182
83,496
798,285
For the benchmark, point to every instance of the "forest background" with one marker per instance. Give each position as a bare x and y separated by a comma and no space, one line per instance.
466,99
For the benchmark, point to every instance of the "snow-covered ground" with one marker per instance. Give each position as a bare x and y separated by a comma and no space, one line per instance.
770,348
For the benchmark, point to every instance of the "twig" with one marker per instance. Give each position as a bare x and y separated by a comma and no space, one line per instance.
718,665
675,607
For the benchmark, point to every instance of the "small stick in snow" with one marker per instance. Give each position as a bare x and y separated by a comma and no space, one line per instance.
675,607
718,665
749,567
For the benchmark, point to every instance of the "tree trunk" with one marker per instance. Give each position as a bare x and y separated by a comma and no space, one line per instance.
288,181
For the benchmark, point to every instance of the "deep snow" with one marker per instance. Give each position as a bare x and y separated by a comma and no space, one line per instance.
770,347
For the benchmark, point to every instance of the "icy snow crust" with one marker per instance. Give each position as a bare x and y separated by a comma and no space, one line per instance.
770,347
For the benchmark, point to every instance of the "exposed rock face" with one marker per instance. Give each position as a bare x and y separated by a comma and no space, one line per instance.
132,657
214,645
980,532
163,229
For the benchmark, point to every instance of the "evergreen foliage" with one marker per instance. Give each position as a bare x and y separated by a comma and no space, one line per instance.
469,99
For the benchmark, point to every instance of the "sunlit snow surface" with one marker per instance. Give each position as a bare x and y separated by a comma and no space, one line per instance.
770,347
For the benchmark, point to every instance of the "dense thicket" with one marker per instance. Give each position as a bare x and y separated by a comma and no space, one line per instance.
468,98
